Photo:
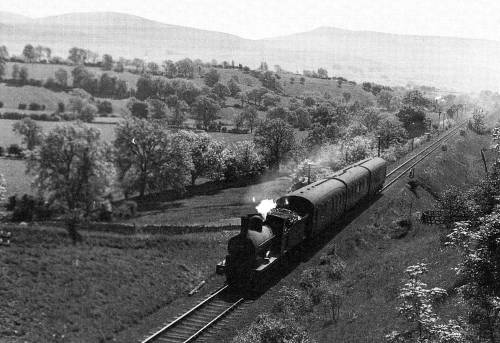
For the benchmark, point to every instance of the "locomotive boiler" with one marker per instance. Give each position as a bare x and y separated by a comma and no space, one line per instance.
265,242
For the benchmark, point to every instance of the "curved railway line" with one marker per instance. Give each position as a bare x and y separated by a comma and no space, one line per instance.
406,166
191,325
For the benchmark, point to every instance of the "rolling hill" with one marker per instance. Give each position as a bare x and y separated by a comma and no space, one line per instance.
455,63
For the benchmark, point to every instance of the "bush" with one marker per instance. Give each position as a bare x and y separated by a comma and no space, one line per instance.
61,107
28,208
22,106
104,107
13,115
34,107
14,150
2,151
1,104
292,302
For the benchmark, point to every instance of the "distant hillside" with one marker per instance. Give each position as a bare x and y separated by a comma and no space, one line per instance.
463,64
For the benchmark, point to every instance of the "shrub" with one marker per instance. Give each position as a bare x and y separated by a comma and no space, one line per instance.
1,104
34,106
104,107
2,151
15,150
292,302
22,106
28,208
61,107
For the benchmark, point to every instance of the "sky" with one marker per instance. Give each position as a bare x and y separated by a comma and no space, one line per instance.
257,19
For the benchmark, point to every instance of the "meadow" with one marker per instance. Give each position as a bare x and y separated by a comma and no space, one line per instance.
53,291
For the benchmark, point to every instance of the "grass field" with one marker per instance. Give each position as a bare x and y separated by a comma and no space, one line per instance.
218,207
42,72
53,291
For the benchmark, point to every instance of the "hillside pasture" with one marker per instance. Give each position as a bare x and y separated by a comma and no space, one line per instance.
42,72
12,96
57,292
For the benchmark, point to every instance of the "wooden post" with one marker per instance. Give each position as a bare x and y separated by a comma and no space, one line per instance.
484,161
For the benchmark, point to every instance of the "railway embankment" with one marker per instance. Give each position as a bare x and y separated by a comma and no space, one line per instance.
380,242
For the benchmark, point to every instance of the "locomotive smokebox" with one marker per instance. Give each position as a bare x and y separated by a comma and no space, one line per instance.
252,221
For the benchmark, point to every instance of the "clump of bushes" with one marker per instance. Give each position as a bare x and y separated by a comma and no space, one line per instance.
28,208
22,106
104,107
36,107
15,150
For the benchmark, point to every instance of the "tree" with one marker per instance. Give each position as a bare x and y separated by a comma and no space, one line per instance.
413,120
206,155
255,95
31,132
479,245
270,99
277,113
269,80
239,121
107,62
119,67
149,157
23,75
138,109
303,118
61,76
205,110
384,99
15,72
72,167
251,115
2,68
221,91
390,133
322,73
242,160
179,108
211,77
170,69
29,53
4,53
76,104
233,87
185,68
88,112
309,101
415,98
153,68
77,55
346,96
370,118
275,139
157,109
477,124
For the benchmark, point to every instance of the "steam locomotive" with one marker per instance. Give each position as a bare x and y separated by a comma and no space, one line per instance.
265,241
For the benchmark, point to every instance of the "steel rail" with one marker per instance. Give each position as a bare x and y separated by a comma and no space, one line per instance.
178,320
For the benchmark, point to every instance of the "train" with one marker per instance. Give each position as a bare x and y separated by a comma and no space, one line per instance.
266,241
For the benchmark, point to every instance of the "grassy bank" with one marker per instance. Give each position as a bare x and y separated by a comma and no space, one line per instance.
53,291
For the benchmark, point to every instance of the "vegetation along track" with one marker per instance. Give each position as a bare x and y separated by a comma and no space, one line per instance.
403,168
192,324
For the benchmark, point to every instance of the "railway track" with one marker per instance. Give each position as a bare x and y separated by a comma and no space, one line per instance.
396,173
194,323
